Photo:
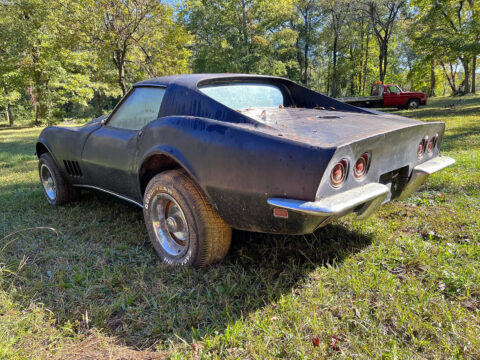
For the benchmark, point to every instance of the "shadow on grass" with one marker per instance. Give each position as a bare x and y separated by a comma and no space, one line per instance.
101,271
443,112
458,140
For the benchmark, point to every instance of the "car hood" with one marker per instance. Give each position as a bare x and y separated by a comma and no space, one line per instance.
325,128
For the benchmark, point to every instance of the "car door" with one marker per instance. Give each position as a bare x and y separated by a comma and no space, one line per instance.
109,155
392,97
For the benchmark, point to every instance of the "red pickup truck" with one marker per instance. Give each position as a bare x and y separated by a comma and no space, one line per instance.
389,95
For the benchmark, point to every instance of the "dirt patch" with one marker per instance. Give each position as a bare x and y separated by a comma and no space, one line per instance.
95,347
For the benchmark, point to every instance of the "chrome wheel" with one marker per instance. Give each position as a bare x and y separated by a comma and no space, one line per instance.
48,182
170,225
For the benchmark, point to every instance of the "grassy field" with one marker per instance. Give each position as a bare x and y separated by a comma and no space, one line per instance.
82,281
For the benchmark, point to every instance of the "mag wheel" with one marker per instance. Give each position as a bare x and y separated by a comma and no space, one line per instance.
56,189
48,183
183,227
413,104
170,225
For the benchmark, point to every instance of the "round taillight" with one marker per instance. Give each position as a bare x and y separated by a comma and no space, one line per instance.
431,144
421,149
339,173
361,166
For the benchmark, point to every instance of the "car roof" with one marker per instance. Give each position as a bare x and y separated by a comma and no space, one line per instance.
191,80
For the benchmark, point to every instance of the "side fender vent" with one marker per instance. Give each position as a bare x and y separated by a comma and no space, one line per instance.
72,167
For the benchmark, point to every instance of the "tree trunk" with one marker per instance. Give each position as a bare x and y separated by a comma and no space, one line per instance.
8,109
306,48
334,65
8,114
466,76
37,122
121,78
474,69
380,65
432,78
98,102
244,25
365,65
450,77
382,57
119,61
352,75
328,76
306,63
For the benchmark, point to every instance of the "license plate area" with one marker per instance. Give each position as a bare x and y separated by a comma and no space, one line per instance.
396,181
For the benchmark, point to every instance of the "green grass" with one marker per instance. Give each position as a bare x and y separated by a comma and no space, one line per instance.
402,285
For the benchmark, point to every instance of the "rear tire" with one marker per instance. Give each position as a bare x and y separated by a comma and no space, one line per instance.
56,189
183,227
413,104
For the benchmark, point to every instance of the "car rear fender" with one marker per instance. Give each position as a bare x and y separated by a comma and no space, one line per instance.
238,166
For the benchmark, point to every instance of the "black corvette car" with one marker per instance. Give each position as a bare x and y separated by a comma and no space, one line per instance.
202,154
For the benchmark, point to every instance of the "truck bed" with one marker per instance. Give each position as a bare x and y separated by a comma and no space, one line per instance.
355,99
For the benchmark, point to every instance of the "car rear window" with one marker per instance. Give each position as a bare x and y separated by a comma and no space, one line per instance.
243,95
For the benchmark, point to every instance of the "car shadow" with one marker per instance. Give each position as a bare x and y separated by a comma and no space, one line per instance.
99,270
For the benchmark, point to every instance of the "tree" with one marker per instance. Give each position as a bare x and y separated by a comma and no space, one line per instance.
42,58
338,13
242,36
11,77
383,16
138,36
308,17
453,31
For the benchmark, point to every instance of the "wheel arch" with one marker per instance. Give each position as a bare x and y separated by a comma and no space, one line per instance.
161,160
42,147
414,99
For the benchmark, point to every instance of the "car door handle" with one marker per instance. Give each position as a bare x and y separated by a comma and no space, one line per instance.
140,133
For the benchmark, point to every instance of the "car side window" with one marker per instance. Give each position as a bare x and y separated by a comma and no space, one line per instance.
138,109
392,89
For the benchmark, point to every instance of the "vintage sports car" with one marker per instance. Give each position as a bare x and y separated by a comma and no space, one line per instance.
205,153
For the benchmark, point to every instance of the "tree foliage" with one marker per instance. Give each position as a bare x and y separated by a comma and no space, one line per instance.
65,57
68,53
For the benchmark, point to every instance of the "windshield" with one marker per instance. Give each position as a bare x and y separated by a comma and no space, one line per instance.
244,95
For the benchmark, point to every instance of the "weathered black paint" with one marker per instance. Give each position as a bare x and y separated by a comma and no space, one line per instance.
238,161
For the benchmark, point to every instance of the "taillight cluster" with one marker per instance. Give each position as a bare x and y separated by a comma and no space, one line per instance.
427,146
340,170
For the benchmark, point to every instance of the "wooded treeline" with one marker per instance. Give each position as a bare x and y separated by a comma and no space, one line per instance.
75,58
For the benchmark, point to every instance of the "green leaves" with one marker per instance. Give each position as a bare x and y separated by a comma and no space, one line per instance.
73,52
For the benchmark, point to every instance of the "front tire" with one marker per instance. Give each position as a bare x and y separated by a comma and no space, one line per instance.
56,189
183,227
413,104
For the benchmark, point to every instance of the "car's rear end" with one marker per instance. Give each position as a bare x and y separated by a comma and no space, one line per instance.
378,158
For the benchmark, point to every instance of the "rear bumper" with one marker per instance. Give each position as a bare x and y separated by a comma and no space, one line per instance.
421,172
367,197
363,200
